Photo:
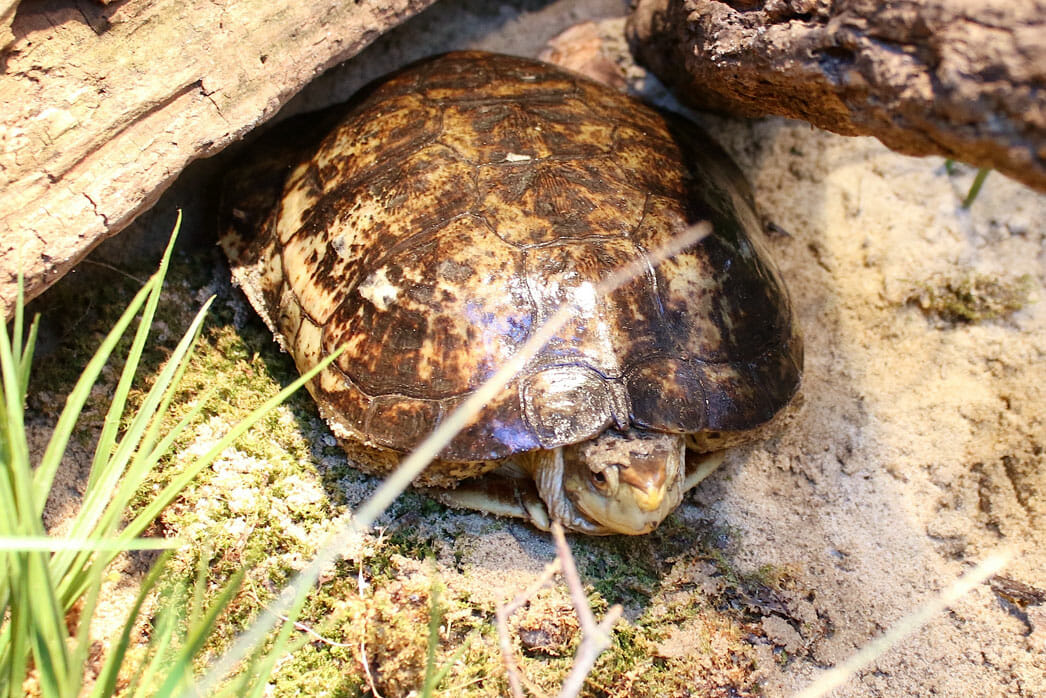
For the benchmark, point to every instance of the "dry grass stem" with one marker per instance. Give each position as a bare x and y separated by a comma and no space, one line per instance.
595,637
115,270
363,638
307,629
837,676
503,613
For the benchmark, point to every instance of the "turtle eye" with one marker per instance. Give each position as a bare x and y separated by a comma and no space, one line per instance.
604,480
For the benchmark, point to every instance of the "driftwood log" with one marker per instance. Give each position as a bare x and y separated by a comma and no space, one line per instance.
965,79
104,105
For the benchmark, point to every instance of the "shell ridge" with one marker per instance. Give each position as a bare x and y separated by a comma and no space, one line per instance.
662,326
492,229
566,240
304,309
391,157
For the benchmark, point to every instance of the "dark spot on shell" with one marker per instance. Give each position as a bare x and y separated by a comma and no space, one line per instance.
454,271
393,273
424,295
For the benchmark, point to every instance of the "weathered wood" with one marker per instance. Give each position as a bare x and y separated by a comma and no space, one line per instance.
7,15
103,106
965,79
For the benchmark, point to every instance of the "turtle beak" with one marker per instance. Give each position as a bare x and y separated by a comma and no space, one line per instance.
648,480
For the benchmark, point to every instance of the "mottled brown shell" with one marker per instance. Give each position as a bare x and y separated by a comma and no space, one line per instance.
455,206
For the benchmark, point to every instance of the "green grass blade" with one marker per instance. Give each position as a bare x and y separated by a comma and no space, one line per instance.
9,512
16,646
46,625
152,434
32,611
82,643
148,419
261,667
148,410
435,618
73,586
26,359
449,664
975,188
19,318
433,677
18,494
197,604
105,684
36,625
180,671
162,637
23,544
106,501
111,424
56,447
149,460
167,495
37,621
146,463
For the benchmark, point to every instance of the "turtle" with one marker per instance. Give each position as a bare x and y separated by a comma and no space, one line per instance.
433,222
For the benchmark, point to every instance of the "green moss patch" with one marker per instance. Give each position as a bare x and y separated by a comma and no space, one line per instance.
972,298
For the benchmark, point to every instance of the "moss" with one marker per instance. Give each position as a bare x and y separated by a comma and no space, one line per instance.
389,625
771,576
972,298
628,569
314,671
706,654
402,542
695,609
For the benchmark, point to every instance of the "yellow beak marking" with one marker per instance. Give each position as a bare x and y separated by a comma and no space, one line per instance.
648,481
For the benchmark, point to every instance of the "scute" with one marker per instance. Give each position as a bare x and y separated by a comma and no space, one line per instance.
454,207
668,394
564,404
430,326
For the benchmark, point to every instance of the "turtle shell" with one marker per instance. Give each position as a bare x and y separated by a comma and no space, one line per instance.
455,206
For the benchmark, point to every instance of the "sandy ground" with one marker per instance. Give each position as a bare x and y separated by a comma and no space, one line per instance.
918,446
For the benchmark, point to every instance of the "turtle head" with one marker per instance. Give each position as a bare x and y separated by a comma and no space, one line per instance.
625,481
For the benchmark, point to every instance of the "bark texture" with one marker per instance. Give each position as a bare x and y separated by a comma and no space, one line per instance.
965,79
104,105
7,15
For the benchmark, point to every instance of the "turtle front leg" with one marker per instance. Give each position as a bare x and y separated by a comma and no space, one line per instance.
529,486
507,491
701,465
